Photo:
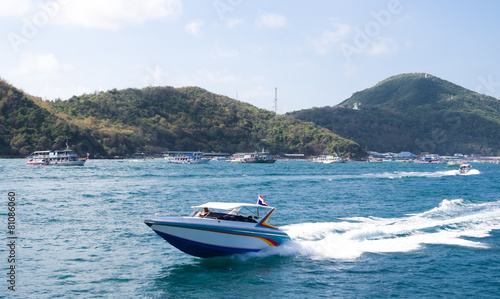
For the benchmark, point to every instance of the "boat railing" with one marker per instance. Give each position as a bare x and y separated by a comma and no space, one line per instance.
166,215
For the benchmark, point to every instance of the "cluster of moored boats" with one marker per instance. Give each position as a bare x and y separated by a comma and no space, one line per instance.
200,158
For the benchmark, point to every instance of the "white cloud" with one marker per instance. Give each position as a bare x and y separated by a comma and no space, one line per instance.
9,8
204,77
349,69
381,46
40,64
215,76
114,14
194,27
272,20
329,39
220,52
258,91
231,23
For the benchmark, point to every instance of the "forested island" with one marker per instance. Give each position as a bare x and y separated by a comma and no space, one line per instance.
409,112
154,120
417,113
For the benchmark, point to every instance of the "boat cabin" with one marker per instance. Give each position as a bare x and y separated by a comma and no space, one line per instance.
232,211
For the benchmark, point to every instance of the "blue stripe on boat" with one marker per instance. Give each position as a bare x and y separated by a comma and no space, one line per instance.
201,249
275,235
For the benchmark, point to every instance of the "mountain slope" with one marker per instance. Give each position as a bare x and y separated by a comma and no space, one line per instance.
26,126
415,112
153,120
158,118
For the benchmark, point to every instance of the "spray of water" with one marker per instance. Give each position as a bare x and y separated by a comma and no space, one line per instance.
453,222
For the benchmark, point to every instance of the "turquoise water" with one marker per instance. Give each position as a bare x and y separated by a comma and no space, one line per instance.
358,230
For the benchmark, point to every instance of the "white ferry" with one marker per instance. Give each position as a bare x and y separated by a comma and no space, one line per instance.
256,157
59,157
188,158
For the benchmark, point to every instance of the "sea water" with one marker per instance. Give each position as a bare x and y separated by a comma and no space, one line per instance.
358,230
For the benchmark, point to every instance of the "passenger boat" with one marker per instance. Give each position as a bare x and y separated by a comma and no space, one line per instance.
464,168
330,159
58,158
255,157
219,229
189,158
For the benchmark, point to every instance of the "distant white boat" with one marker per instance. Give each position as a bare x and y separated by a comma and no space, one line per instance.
56,158
329,159
464,168
189,158
256,157
333,159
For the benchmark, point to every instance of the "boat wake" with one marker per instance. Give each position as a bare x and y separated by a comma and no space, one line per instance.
453,222
403,174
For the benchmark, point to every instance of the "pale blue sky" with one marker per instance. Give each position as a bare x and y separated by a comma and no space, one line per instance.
318,53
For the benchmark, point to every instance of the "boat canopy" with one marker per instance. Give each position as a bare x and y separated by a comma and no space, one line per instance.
229,206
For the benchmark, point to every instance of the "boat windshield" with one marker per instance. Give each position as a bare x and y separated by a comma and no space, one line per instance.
243,213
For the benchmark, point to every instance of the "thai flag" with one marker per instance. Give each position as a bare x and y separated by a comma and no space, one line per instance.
261,201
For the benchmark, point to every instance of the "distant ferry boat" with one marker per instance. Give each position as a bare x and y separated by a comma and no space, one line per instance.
59,157
256,157
189,158
329,159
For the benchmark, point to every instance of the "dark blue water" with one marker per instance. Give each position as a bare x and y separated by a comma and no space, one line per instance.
359,230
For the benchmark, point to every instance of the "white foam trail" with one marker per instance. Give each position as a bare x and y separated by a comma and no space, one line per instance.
425,174
473,172
403,174
448,224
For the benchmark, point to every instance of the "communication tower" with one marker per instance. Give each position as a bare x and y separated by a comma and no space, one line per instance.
276,100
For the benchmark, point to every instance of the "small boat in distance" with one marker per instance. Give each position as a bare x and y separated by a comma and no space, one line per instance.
464,168
329,159
188,158
65,157
255,157
219,229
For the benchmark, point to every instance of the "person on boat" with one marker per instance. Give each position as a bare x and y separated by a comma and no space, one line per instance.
205,212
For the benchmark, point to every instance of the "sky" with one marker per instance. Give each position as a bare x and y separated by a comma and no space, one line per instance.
316,53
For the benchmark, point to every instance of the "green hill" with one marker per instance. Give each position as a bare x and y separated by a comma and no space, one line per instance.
153,120
27,125
417,113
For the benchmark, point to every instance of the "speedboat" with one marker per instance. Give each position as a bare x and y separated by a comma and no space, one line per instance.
464,168
219,229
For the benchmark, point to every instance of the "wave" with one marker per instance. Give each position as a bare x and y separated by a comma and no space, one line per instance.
453,222
403,174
